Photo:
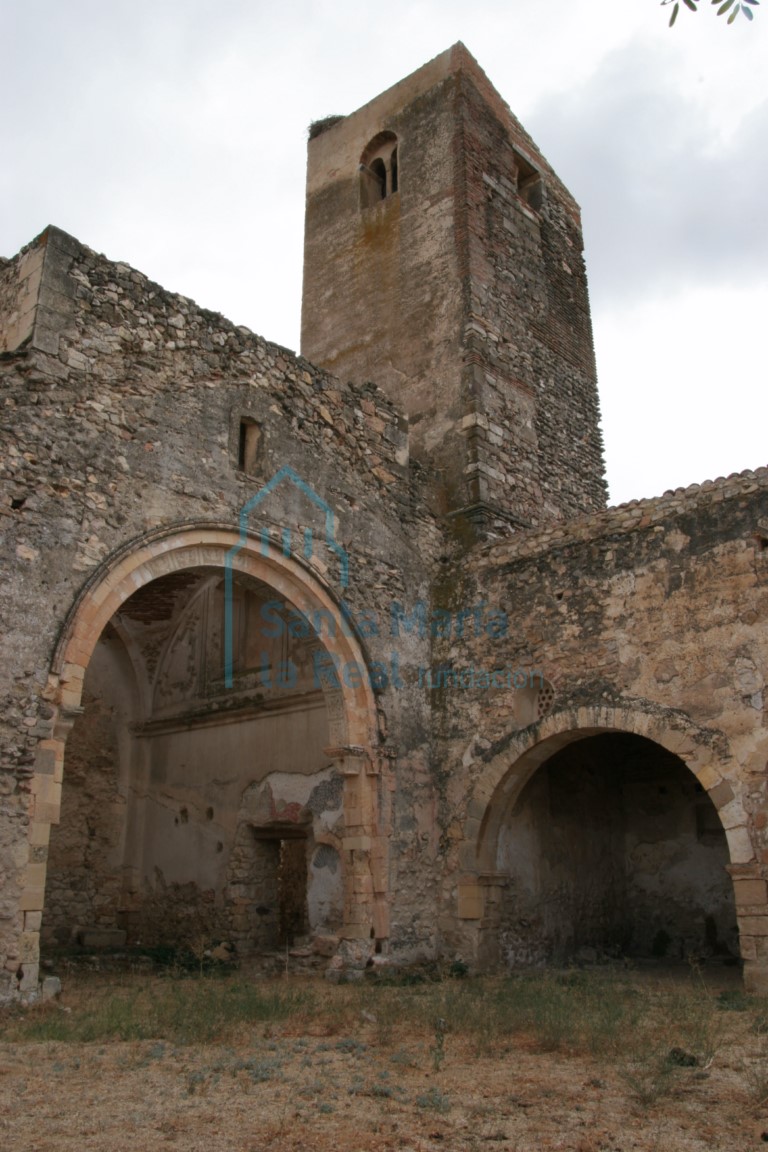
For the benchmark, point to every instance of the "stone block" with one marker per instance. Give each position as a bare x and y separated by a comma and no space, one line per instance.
325,945
29,947
30,973
356,843
7,988
756,978
707,776
381,920
471,902
750,892
739,845
732,814
721,794
32,899
353,931
748,947
45,760
754,925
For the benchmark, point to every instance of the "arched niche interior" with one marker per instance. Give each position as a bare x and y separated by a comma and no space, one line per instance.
195,804
612,848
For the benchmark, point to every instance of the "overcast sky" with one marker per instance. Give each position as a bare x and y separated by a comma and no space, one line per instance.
171,134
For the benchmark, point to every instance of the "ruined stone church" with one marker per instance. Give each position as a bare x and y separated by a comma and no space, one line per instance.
344,649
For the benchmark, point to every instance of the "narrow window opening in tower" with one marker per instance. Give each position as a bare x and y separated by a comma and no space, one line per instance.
378,173
529,187
380,177
248,446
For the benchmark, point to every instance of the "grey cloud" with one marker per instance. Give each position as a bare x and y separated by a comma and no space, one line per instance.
664,205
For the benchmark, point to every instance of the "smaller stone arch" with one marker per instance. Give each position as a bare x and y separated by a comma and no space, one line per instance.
706,754
502,780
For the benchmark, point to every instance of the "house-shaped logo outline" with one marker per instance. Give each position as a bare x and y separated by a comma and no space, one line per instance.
284,473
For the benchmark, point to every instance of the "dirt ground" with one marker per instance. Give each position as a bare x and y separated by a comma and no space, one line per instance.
342,1081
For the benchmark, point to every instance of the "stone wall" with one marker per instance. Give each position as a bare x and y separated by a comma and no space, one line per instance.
536,449
620,602
129,421
649,618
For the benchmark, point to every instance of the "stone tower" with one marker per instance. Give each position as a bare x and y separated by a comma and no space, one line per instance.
443,261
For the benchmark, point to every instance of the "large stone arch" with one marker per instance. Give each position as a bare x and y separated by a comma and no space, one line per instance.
705,753
352,716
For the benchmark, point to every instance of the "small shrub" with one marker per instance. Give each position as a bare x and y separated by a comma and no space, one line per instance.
434,1100
733,1000
648,1073
437,1051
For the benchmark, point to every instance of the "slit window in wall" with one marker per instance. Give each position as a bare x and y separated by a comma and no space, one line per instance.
529,187
249,445
378,170
378,175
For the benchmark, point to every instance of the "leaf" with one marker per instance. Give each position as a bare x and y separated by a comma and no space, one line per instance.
724,7
733,15
692,5
673,17
748,13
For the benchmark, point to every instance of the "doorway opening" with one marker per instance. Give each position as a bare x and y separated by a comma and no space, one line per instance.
279,886
614,849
